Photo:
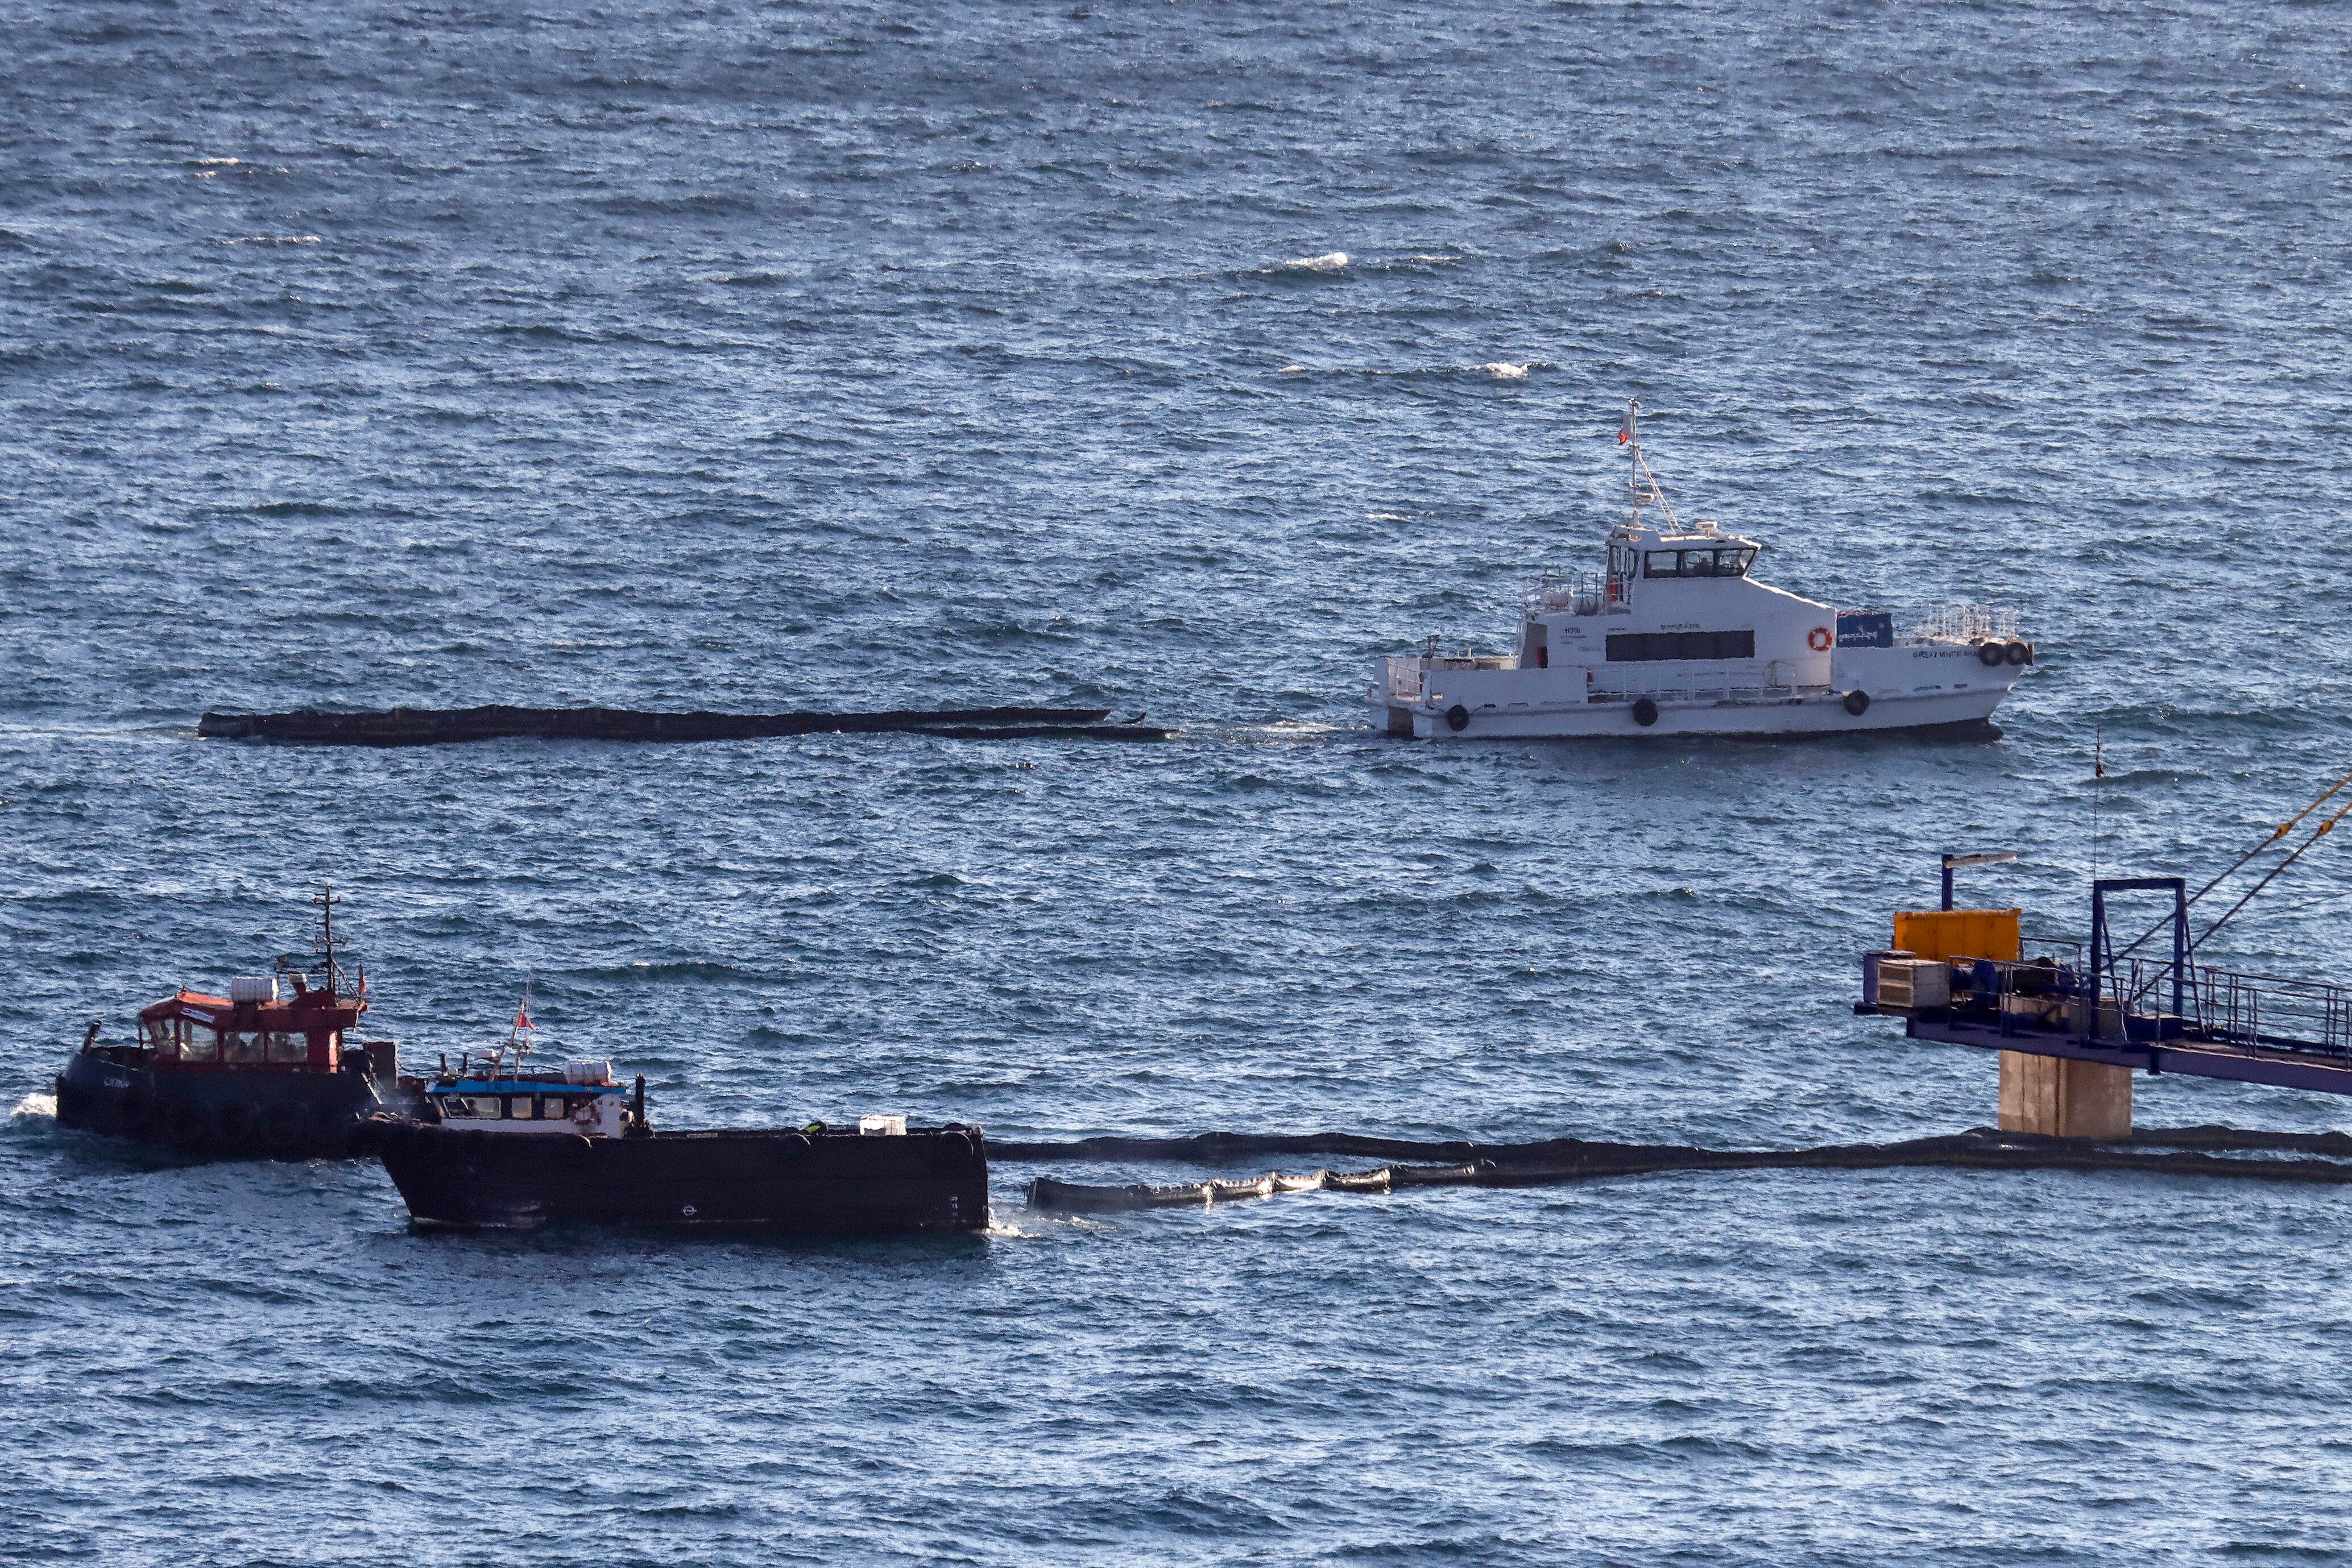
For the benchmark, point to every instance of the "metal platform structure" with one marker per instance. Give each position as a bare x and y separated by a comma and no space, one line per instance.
2160,1015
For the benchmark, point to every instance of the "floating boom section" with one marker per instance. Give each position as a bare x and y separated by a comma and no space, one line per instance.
2216,1151
441,727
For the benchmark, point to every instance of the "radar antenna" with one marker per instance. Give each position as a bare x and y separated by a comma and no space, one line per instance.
322,961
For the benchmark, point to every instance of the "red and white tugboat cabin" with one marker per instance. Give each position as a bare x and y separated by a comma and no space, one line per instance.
252,1074
250,1028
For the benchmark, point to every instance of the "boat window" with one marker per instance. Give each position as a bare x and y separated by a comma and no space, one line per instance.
553,1107
1729,561
290,1048
1646,647
240,1047
520,1107
202,1045
161,1038
454,1106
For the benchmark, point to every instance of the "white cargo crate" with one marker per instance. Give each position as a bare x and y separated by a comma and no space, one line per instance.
1910,985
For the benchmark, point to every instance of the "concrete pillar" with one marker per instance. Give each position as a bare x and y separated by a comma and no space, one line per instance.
2061,1098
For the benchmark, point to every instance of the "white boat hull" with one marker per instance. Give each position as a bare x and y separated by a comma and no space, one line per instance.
1824,713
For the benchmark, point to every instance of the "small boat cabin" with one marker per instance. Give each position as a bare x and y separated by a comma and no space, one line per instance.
582,1100
250,1029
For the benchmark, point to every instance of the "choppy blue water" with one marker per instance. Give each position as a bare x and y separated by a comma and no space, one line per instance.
776,356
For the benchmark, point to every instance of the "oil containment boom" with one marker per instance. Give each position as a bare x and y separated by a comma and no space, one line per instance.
439,726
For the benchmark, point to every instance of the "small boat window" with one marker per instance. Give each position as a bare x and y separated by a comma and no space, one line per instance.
552,1107
202,1045
454,1107
520,1107
161,1038
239,1047
290,1048
1727,561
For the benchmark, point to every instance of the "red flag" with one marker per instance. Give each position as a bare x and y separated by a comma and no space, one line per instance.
523,1018
1624,436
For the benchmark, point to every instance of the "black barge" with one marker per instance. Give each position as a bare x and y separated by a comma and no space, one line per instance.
516,1150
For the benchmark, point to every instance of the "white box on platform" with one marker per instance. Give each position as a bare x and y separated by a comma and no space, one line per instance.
1907,985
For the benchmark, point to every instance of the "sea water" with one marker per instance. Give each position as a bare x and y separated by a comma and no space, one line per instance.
1179,359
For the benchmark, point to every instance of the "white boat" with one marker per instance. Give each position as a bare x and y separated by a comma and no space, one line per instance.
1676,637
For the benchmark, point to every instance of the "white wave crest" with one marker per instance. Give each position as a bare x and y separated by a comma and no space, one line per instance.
1503,373
37,1105
1331,261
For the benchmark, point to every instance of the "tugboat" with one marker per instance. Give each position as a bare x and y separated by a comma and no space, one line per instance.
251,1075
1675,637
500,1145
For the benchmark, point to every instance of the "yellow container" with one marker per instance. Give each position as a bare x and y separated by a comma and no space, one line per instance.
1958,932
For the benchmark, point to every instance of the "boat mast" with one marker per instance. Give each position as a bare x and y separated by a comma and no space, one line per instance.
1646,490
522,1036
1632,436
327,940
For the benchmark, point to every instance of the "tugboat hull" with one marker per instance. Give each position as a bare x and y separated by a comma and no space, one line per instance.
788,1182
229,1116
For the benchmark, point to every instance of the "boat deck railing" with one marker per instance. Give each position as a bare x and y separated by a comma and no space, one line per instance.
1963,623
1715,694
1578,592
1404,676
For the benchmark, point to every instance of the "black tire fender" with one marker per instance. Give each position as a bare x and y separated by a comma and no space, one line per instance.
948,1151
2019,653
1645,712
1857,702
1457,718
1989,654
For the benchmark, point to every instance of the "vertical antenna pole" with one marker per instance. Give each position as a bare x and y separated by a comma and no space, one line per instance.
2098,957
1632,436
2098,771
2179,942
327,933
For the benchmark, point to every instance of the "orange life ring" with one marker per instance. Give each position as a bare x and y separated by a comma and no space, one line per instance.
1818,639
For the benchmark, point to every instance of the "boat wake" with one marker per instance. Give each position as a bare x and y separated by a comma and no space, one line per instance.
37,1105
